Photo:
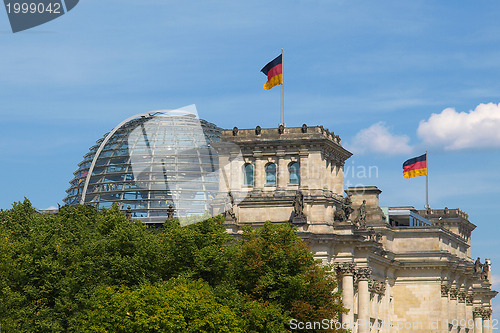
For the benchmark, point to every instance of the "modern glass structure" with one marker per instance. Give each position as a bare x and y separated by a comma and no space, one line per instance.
153,163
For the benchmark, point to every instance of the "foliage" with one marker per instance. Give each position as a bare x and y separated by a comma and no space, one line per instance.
274,266
177,306
86,270
58,260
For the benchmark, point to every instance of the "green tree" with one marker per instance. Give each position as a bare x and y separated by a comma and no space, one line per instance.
199,251
274,266
56,261
59,272
269,274
176,306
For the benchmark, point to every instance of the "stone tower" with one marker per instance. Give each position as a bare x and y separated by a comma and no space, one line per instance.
286,174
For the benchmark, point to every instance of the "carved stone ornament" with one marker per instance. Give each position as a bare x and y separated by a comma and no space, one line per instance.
298,208
478,267
170,212
382,288
344,213
258,130
374,236
469,299
361,220
486,268
444,290
453,293
487,314
229,208
477,312
371,285
364,273
346,268
128,214
347,207
376,287
462,296
339,215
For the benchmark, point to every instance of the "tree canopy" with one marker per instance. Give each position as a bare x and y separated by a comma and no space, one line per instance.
87,270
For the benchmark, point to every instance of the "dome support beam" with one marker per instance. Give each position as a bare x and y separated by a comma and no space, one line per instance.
105,141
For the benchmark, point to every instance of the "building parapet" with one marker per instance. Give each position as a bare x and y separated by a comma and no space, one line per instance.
448,213
303,132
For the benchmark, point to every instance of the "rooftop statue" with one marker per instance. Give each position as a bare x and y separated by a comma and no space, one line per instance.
478,266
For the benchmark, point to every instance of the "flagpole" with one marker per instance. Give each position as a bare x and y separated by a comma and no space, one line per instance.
427,182
282,91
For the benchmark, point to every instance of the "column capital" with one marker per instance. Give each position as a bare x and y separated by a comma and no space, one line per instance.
372,286
445,289
462,295
469,299
453,292
376,287
346,268
477,312
364,273
487,313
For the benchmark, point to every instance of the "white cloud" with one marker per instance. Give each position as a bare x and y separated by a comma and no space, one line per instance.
478,128
378,139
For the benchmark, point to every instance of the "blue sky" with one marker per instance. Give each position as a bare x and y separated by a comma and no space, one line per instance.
392,78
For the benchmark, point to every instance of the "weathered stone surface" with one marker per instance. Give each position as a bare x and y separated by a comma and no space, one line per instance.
413,275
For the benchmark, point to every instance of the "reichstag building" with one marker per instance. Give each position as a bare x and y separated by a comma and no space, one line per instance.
400,269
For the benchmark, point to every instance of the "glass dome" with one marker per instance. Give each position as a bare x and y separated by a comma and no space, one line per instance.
155,163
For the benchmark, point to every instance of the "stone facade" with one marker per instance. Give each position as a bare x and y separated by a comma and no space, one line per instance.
396,265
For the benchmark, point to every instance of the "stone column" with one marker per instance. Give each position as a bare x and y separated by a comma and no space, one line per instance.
282,171
487,328
364,274
462,317
339,179
259,172
236,174
305,170
469,300
346,270
445,289
478,320
453,307
224,173
338,175
331,175
377,289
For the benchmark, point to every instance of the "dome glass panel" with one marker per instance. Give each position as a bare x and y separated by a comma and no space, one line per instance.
150,163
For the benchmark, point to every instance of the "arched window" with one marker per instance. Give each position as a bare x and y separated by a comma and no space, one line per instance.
271,174
248,174
294,173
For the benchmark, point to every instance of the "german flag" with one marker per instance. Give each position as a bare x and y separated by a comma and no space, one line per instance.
415,167
274,72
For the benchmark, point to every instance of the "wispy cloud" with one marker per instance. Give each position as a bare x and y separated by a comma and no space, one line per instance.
495,281
378,139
